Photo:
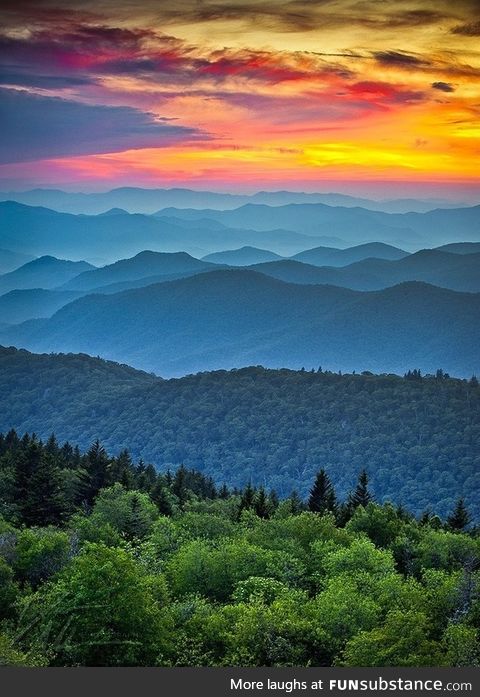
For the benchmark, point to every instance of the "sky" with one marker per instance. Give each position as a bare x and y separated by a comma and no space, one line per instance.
367,97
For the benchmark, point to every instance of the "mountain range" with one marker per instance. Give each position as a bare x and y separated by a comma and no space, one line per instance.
351,224
284,230
41,231
230,318
139,200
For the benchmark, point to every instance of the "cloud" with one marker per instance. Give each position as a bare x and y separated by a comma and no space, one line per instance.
399,59
443,86
36,127
469,29
385,93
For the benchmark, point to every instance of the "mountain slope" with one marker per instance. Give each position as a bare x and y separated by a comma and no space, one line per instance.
9,261
245,256
461,248
44,272
226,319
144,264
21,305
330,256
453,271
256,424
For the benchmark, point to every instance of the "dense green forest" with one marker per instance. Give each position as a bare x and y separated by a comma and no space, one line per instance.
418,437
106,562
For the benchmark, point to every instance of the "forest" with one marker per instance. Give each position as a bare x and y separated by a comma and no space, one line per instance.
418,436
105,562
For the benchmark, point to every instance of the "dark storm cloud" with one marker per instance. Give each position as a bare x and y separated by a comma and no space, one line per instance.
36,127
443,86
469,29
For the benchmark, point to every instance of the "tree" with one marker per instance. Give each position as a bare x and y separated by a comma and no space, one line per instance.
459,519
260,505
8,590
361,496
162,497
102,610
248,498
98,474
179,487
44,502
322,495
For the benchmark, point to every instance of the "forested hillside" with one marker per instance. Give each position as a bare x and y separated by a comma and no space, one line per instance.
419,438
105,563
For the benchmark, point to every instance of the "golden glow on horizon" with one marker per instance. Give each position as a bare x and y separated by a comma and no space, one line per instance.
323,89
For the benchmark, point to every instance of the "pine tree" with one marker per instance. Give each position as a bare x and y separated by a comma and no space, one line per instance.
26,458
322,495
179,486
296,503
97,466
247,499
260,504
273,500
460,518
361,496
137,524
45,502
161,498
223,492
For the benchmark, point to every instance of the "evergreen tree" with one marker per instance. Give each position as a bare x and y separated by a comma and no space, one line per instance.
45,502
459,519
161,498
223,492
361,496
248,498
296,503
322,495
26,458
97,466
179,486
273,500
260,504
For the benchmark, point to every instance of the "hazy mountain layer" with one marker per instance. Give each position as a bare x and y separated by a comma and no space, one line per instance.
43,231
352,224
145,264
226,319
21,305
138,200
330,256
245,256
454,271
45,272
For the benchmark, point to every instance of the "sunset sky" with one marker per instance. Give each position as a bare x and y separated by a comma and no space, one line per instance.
365,97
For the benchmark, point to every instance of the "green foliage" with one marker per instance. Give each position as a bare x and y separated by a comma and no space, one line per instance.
402,641
130,513
40,553
380,523
8,590
214,571
226,578
101,611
